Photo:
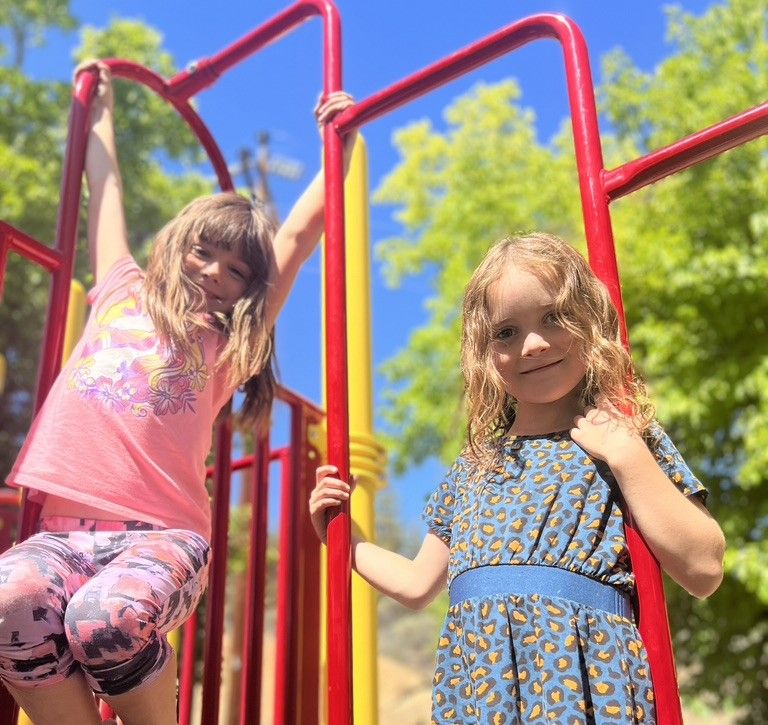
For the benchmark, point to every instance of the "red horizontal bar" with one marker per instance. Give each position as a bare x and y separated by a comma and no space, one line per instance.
29,248
13,240
292,398
245,462
205,72
687,152
513,36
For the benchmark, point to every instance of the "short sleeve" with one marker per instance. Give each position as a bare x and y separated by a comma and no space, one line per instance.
672,463
122,274
439,512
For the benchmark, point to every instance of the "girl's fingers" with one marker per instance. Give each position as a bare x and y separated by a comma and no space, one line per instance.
325,470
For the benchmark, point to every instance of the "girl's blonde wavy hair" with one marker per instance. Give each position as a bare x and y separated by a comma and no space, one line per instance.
175,302
582,305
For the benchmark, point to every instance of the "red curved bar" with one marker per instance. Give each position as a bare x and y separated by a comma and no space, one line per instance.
687,152
599,233
583,116
139,74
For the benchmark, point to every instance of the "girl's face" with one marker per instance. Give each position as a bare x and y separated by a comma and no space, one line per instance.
222,274
538,360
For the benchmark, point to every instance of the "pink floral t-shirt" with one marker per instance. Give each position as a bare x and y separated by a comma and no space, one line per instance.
127,425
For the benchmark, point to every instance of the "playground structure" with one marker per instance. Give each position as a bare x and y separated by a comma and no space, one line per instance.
298,666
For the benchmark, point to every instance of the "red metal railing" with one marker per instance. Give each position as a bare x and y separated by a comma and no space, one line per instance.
297,661
597,188
60,263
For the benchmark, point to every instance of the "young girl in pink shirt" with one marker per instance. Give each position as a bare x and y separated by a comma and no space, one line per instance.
117,454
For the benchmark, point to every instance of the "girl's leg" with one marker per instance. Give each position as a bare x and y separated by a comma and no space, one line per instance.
152,702
116,623
69,702
37,578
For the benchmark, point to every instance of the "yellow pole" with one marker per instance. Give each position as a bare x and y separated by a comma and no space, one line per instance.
72,331
75,319
367,461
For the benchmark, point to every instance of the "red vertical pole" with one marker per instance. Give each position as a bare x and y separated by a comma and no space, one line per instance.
253,632
214,629
287,624
61,276
187,674
66,241
310,589
339,541
654,623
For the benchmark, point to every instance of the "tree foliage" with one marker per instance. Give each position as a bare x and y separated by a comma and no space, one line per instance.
33,122
693,251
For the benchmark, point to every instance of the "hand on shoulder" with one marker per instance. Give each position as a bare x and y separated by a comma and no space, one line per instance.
606,433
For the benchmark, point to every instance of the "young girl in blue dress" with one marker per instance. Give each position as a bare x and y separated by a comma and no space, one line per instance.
527,525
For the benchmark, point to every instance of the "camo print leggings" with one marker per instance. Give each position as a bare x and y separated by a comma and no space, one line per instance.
98,596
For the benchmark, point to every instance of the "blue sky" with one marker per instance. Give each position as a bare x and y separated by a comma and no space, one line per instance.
383,42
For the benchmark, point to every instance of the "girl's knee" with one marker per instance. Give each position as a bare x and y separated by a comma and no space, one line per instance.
104,629
26,588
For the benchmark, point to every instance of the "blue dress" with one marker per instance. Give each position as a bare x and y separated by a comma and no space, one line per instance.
507,659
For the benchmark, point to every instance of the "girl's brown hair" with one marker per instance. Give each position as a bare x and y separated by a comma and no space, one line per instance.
582,305
175,302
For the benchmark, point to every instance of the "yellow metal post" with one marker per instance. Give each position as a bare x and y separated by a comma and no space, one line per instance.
75,319
367,460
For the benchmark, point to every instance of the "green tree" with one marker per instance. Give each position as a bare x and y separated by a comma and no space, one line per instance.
693,255
33,117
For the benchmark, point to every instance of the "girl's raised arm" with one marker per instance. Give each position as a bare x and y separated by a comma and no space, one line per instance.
412,582
107,232
301,231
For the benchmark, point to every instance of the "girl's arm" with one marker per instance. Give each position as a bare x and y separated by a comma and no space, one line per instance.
679,530
301,231
412,582
107,233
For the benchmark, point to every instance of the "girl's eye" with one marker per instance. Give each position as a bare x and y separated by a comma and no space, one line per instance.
505,333
199,251
551,318
239,274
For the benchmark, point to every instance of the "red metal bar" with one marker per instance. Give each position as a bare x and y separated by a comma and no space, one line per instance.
597,223
187,674
687,152
13,240
205,72
66,240
285,631
106,712
253,630
309,547
581,100
214,629
139,74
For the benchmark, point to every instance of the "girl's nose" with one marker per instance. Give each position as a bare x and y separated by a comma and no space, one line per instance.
534,344
211,270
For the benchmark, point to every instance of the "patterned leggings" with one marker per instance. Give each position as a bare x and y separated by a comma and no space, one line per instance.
98,596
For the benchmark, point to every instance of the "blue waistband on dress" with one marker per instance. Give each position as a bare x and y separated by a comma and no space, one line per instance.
547,581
